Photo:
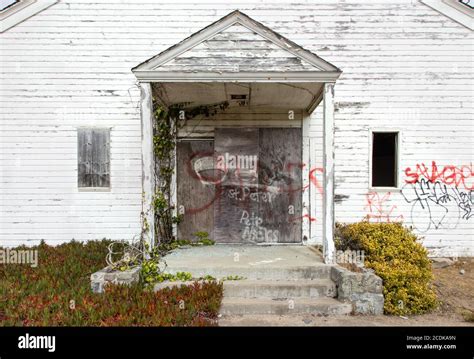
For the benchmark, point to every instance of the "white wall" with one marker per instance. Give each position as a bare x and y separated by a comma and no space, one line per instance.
404,66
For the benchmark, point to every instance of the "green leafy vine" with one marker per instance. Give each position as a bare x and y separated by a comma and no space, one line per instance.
167,123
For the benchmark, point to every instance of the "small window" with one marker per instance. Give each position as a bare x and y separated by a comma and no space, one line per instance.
384,159
93,157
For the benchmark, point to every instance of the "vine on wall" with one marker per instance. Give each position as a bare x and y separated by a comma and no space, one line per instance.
166,125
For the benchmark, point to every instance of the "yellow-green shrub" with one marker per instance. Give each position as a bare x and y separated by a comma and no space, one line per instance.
397,256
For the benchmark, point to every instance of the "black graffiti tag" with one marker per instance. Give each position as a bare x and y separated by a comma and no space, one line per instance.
436,205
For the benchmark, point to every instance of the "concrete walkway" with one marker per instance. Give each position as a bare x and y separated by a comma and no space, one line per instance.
244,260
225,255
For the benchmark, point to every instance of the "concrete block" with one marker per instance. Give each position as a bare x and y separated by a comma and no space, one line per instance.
107,275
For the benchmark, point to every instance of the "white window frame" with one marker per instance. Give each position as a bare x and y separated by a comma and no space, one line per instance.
453,9
397,159
19,12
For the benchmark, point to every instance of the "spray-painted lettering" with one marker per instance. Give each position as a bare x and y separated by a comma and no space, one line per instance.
459,176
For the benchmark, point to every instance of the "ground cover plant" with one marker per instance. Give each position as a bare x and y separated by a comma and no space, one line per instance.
57,293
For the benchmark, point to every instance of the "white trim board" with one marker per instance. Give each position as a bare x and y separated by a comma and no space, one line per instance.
21,11
454,10
284,77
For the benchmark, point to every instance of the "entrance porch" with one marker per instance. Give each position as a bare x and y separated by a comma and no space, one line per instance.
271,86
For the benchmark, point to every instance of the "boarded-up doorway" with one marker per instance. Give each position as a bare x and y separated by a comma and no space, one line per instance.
243,187
196,190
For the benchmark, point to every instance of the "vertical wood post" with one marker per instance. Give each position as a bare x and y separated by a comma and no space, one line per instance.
328,158
306,207
148,166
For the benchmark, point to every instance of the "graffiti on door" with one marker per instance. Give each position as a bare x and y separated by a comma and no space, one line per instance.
250,183
255,231
201,167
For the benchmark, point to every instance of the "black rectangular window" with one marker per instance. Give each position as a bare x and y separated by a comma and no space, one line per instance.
384,159
93,157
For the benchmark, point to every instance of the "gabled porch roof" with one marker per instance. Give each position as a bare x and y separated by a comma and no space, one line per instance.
238,57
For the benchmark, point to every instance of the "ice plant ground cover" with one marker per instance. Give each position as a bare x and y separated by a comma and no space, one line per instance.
57,293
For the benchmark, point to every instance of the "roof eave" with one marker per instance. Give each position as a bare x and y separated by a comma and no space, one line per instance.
305,76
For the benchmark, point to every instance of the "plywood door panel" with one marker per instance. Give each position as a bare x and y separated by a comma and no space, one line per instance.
196,189
236,206
247,189
280,184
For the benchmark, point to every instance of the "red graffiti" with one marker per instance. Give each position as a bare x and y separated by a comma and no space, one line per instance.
207,174
460,176
298,219
313,179
378,208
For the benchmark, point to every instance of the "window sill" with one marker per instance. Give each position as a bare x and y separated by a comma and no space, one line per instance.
94,189
385,189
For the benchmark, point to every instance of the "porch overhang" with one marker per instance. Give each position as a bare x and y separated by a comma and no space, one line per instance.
241,61
303,76
238,52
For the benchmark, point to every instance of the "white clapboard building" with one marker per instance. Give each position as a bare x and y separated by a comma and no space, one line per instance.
333,111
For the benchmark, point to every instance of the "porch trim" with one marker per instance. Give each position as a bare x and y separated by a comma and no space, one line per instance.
148,162
302,76
328,178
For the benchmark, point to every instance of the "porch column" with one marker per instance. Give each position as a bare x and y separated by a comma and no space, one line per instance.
328,165
148,178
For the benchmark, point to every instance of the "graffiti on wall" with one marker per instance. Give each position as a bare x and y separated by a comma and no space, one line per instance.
440,197
379,209
458,176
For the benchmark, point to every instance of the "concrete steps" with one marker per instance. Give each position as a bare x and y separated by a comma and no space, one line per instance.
280,289
277,279
319,306
319,271
282,297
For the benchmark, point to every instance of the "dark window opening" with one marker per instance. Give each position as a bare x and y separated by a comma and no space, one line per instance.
93,157
384,159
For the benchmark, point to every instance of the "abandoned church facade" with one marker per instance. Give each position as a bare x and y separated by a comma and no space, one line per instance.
326,112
